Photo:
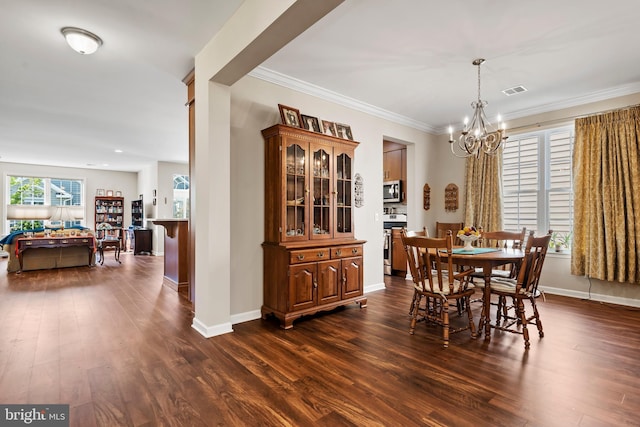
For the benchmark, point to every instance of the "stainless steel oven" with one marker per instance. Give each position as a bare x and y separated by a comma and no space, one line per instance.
391,221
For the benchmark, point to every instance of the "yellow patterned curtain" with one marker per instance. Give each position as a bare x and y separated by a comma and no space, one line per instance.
606,170
483,191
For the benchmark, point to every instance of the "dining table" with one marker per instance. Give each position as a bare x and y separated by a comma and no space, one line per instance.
487,259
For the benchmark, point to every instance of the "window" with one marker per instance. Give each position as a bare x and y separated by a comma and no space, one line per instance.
180,196
25,190
537,181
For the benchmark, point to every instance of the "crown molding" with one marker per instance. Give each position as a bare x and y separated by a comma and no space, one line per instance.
319,92
602,95
283,80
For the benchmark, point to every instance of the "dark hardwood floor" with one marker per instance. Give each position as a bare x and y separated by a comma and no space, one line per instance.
118,347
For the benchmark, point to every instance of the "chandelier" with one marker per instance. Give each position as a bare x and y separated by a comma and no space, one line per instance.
479,136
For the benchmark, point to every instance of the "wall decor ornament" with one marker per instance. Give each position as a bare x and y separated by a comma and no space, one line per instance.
359,191
451,198
426,197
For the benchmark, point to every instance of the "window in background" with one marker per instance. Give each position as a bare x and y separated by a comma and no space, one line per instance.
537,181
180,196
43,191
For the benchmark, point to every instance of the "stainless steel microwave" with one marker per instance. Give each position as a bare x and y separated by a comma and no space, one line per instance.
391,192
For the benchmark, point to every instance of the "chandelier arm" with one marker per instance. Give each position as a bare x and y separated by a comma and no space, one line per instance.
463,155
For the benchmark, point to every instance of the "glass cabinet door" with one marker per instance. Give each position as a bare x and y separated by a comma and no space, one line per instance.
296,191
344,198
321,193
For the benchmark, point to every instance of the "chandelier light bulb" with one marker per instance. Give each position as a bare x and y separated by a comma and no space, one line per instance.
82,41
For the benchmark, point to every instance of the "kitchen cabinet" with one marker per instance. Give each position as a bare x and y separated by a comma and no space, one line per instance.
392,161
398,254
176,253
312,261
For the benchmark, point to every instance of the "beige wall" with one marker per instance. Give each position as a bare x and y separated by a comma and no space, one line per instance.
556,276
254,106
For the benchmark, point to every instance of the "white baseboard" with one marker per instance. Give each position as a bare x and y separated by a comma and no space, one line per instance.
374,287
631,302
245,317
211,331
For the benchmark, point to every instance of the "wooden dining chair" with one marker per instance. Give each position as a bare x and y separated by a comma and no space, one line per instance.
420,233
500,240
414,233
109,238
454,227
521,289
503,240
440,286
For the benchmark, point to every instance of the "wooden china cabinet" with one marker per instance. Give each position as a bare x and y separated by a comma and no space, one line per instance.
312,261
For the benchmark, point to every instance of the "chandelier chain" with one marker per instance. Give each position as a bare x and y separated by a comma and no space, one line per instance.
479,82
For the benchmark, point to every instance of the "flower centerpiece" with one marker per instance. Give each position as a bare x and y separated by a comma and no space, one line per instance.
468,235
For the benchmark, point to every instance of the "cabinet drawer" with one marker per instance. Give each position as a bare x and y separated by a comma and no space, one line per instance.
309,255
346,251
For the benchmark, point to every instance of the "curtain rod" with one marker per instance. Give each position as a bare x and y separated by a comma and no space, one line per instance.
566,119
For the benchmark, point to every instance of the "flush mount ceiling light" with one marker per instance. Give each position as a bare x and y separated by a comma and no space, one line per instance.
82,41
480,136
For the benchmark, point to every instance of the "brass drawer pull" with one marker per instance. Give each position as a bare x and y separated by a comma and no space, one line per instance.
300,257
320,254
65,241
28,243
51,242
339,252
354,250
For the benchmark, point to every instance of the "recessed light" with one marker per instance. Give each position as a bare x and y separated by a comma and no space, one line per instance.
117,150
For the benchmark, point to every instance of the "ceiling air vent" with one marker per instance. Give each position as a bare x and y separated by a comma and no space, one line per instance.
514,90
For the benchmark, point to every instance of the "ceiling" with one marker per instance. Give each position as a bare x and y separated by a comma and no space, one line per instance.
408,60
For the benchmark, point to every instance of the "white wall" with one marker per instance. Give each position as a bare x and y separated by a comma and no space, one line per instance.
159,177
93,179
